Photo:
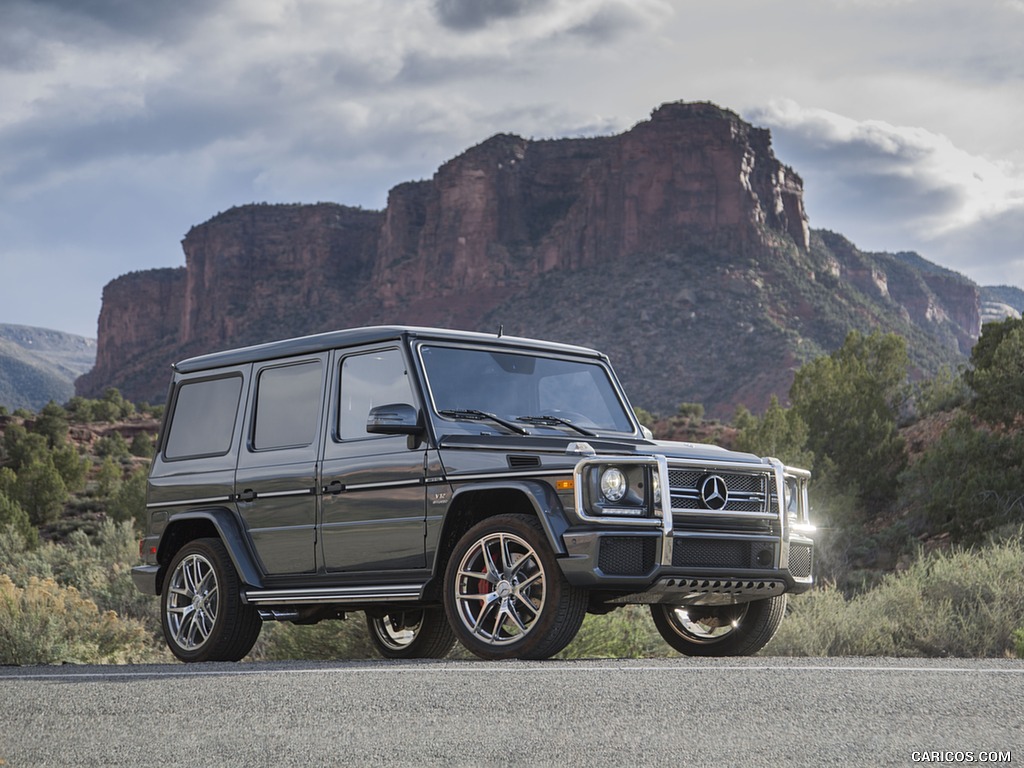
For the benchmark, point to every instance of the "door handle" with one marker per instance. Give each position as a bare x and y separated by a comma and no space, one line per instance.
247,495
334,487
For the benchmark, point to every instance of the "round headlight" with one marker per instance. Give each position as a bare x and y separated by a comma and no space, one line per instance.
613,484
656,487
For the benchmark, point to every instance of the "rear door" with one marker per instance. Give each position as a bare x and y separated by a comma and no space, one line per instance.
374,499
276,480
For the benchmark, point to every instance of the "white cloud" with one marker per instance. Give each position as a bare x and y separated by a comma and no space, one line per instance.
891,187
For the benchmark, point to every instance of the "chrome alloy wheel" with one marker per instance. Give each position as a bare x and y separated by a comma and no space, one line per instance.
500,589
704,624
397,631
193,601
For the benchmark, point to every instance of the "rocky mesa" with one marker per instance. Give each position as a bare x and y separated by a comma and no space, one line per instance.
680,247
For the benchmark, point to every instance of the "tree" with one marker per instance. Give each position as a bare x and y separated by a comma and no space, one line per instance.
21,447
52,423
13,516
849,402
780,432
40,490
997,377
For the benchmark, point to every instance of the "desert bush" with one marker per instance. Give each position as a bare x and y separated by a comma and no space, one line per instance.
345,639
98,566
129,501
46,623
966,603
969,483
627,633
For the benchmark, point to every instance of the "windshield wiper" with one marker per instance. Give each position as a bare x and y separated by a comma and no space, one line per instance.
551,421
471,414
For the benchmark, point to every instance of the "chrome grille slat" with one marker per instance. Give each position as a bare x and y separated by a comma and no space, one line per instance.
749,493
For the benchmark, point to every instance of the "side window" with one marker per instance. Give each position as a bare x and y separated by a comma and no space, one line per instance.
375,378
203,421
287,406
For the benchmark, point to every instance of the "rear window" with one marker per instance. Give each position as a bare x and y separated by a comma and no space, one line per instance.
203,421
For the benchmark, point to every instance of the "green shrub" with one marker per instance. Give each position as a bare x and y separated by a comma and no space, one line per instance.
626,633
14,517
129,501
346,639
969,483
46,623
113,445
967,603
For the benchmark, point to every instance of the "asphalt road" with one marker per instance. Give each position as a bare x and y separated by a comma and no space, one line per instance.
678,712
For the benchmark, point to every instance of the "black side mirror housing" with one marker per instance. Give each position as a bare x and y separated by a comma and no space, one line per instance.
394,419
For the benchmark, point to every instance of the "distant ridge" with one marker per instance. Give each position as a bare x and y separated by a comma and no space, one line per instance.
38,365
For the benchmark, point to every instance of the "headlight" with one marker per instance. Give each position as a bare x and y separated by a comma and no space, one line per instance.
616,488
613,484
656,486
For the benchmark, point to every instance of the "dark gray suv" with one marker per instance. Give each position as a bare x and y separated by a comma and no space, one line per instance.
452,485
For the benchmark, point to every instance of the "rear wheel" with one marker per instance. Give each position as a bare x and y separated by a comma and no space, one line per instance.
422,633
505,595
201,610
720,630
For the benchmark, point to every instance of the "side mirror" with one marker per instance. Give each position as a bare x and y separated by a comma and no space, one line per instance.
394,419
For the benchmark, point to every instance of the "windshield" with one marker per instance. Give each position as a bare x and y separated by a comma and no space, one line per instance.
521,388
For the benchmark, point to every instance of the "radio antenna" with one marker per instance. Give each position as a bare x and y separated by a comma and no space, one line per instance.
501,329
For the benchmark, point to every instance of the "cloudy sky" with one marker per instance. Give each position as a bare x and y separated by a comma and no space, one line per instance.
124,123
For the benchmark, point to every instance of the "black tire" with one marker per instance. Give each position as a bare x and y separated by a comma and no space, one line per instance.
720,630
421,633
201,611
506,596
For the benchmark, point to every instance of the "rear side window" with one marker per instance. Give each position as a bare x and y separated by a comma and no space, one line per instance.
204,418
287,406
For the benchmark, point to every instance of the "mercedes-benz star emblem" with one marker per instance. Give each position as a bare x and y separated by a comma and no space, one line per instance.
714,492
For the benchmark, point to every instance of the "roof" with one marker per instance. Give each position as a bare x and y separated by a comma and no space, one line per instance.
368,335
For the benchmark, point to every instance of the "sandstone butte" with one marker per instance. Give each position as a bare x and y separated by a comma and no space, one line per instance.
680,247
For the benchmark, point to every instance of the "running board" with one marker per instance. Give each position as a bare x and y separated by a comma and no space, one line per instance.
385,594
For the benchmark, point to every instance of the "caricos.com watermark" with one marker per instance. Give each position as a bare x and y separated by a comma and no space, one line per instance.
939,756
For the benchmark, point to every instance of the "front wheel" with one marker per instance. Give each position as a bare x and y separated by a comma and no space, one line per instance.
422,633
720,630
506,596
201,610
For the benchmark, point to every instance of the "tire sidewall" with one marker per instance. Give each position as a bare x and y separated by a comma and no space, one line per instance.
533,644
227,590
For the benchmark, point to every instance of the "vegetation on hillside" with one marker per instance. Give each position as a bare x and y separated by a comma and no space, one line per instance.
918,493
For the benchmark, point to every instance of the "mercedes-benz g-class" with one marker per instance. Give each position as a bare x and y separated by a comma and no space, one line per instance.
452,485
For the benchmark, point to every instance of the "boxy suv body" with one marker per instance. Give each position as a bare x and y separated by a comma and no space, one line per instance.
452,486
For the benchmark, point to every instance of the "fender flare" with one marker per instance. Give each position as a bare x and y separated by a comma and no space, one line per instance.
546,505
231,534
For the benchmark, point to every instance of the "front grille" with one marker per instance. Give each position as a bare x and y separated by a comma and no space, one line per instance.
747,492
626,555
800,560
722,553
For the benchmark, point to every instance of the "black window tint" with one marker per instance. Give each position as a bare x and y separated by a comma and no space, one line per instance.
204,418
287,406
376,378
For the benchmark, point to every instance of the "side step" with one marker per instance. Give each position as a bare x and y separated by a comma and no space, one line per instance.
341,595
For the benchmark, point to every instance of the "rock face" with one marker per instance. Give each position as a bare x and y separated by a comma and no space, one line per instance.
680,241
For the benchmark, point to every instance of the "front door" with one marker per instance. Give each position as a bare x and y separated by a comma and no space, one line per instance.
374,500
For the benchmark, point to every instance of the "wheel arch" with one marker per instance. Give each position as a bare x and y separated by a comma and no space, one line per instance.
216,522
472,503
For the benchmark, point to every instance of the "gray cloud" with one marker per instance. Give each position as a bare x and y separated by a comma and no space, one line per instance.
83,19
470,15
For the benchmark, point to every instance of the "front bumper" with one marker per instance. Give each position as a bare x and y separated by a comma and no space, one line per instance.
687,552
